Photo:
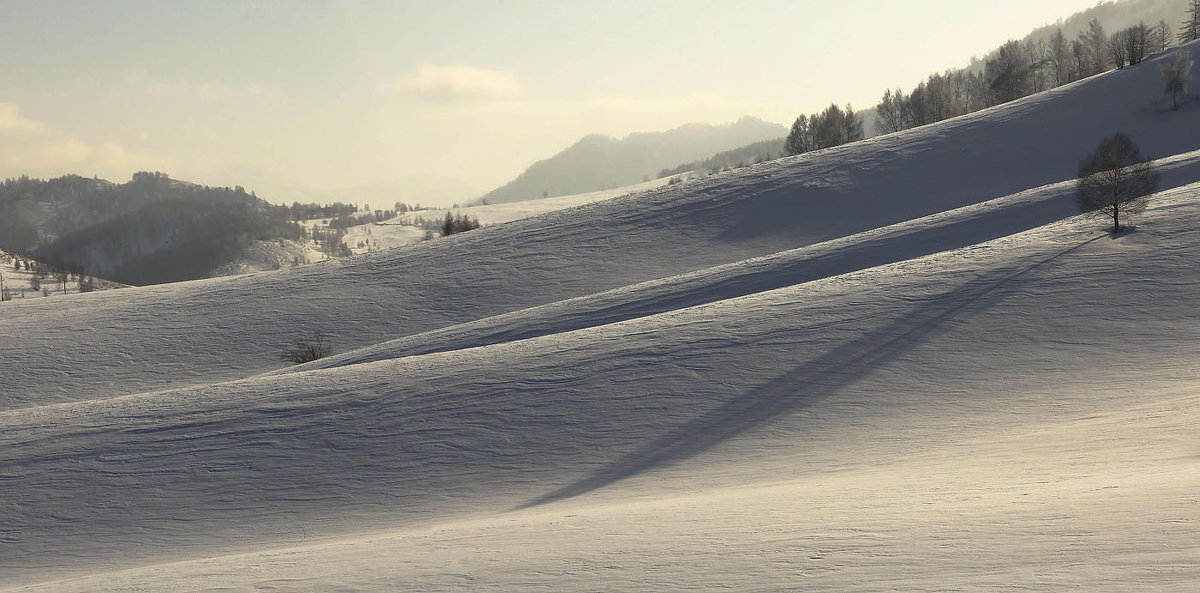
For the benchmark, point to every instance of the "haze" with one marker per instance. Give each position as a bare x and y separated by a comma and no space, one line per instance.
293,100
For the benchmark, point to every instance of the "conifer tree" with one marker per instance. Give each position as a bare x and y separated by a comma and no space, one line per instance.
1190,29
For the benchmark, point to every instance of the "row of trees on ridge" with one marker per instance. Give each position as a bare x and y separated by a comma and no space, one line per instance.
1021,68
832,127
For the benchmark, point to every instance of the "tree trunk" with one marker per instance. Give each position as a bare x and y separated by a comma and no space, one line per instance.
1116,221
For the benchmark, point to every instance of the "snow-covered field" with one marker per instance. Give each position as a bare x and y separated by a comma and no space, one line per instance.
898,365
19,282
406,230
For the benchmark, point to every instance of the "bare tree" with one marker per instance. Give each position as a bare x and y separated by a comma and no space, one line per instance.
1137,41
835,126
975,96
852,125
1037,55
1115,179
1094,54
1008,74
1129,46
918,106
1060,58
1175,76
1117,50
892,113
941,101
828,125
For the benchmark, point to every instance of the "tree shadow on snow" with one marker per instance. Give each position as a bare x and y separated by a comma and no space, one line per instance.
821,377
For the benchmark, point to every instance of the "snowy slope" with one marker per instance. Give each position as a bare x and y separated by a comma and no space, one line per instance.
958,378
510,211
230,328
403,230
19,280
910,239
896,365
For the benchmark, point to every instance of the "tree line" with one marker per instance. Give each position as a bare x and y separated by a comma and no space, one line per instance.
832,127
731,159
1021,68
43,275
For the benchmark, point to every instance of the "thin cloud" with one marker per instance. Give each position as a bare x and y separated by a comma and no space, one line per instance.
454,83
12,122
30,147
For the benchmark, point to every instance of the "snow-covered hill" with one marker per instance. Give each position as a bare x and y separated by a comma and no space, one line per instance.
409,228
902,364
149,230
22,278
574,252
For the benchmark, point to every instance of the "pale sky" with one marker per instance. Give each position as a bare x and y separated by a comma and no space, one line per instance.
331,95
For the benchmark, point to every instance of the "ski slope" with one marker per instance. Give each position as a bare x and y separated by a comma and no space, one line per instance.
903,364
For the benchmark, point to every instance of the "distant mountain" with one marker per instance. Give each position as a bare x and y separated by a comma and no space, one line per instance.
150,230
599,162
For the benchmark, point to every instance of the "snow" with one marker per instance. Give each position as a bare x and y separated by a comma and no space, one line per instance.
903,364
266,255
20,282
406,230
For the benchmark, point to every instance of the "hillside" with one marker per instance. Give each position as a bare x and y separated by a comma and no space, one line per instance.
1114,16
899,364
731,159
150,230
22,278
760,210
778,440
600,162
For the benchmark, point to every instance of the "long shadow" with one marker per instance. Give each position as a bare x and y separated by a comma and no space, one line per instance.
821,377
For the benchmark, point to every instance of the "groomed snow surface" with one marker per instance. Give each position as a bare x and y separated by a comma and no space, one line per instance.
899,365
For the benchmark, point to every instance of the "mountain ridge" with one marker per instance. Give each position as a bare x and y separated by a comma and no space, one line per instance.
597,161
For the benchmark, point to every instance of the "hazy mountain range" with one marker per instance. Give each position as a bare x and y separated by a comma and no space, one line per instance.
600,162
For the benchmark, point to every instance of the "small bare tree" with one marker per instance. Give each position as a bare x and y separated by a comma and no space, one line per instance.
307,349
1175,76
1115,179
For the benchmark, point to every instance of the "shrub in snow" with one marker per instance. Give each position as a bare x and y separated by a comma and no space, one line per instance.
307,349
